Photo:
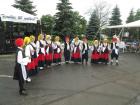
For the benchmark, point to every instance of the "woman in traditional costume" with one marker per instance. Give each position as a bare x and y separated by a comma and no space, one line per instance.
57,48
40,44
95,56
76,50
48,51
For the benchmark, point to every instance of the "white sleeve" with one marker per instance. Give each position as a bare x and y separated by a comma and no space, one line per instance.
22,60
117,44
91,48
81,46
54,46
62,46
72,46
109,47
37,44
44,43
27,51
37,47
32,50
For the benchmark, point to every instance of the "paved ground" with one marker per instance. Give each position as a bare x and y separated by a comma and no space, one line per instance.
75,84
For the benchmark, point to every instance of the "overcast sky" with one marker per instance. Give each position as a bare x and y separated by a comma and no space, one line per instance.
49,6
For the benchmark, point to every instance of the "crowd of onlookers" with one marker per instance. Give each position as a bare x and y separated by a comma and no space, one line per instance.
133,46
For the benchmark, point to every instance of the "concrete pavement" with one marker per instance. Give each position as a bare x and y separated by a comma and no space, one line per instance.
75,84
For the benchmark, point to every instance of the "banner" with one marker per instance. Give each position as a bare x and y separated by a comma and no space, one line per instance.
19,19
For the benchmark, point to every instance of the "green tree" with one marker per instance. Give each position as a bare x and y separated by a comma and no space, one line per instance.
99,19
115,20
79,26
137,16
93,25
131,17
116,17
47,22
64,18
26,6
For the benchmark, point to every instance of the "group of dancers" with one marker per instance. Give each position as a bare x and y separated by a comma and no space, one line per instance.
32,56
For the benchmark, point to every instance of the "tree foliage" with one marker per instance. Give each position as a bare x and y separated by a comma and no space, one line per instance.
93,25
64,18
131,17
26,6
115,20
47,22
79,26
116,17
137,16
99,17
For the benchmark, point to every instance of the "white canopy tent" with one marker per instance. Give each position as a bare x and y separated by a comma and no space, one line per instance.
128,25
12,14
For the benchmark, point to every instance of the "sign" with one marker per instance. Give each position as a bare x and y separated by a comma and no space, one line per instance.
19,19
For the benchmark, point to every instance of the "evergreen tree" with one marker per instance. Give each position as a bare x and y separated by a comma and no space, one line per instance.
79,24
47,22
99,18
137,16
115,18
64,18
131,17
93,25
25,5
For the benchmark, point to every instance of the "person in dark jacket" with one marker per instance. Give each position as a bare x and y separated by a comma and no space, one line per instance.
114,50
67,49
85,49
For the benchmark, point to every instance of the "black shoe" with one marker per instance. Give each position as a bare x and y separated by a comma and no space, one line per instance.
67,62
111,63
23,92
117,63
24,89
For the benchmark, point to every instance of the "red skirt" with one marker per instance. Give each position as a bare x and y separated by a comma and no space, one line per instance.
31,65
41,57
49,57
35,61
95,56
76,55
105,56
57,55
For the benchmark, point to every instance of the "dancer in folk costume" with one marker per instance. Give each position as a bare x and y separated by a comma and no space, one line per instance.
28,50
67,49
85,49
40,44
95,56
34,54
100,49
114,50
20,73
105,50
57,55
48,51
76,51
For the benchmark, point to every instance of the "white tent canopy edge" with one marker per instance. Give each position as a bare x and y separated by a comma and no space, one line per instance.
128,25
12,14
